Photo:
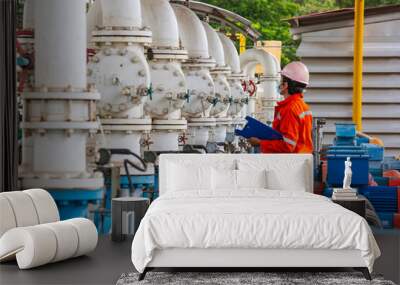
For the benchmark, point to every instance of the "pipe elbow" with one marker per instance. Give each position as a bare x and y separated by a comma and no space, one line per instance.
266,59
159,16
191,32
230,53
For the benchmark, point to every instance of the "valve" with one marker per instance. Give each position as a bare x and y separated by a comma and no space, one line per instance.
146,141
244,85
182,139
253,88
150,91
245,100
185,96
23,61
212,100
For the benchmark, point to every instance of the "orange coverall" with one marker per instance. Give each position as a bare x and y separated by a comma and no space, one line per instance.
293,119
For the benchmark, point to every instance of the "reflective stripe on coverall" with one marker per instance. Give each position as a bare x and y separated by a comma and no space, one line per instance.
293,119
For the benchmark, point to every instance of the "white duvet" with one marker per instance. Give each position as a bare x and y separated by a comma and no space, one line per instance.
250,219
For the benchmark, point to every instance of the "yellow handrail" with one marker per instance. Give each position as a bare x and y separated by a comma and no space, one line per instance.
358,62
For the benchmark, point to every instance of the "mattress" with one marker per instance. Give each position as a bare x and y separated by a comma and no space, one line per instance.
250,219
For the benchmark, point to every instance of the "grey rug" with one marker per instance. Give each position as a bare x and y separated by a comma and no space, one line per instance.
243,278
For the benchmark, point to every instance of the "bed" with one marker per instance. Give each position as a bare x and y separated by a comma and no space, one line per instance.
247,210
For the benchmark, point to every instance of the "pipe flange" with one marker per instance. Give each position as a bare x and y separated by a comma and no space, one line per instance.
224,121
168,53
221,70
169,124
199,62
60,96
126,128
239,121
60,125
122,36
202,122
93,183
270,78
126,121
237,76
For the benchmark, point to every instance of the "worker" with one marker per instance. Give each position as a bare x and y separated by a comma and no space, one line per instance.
293,118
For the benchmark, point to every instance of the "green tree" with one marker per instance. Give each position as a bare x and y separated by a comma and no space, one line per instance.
268,16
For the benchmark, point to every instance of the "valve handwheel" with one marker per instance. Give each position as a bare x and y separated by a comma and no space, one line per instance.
182,139
253,88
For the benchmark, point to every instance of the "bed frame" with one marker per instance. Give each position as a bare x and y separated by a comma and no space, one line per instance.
242,259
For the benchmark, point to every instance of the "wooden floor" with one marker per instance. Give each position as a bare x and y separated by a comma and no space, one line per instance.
103,266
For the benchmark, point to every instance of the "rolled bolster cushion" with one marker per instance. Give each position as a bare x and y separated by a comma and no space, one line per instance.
23,208
37,245
87,235
45,206
67,240
7,218
33,246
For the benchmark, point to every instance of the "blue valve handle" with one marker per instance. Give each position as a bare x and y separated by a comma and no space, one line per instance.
22,61
150,91
187,96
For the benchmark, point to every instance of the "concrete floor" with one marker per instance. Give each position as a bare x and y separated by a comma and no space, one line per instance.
106,264
103,266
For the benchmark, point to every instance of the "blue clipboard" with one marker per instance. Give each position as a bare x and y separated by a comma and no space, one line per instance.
255,128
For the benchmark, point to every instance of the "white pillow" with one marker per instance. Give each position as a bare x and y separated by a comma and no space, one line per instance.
251,178
224,179
288,177
183,177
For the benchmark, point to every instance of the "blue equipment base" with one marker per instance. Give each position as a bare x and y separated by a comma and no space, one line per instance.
73,203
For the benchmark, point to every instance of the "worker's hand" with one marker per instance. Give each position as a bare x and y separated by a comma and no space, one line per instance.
253,141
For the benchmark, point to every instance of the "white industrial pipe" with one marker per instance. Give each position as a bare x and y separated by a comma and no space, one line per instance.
191,32
52,67
120,71
168,79
239,97
222,88
269,80
198,78
59,113
215,48
160,18
231,54
94,19
28,21
122,13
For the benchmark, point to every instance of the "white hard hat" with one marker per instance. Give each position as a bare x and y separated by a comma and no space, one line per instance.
296,71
